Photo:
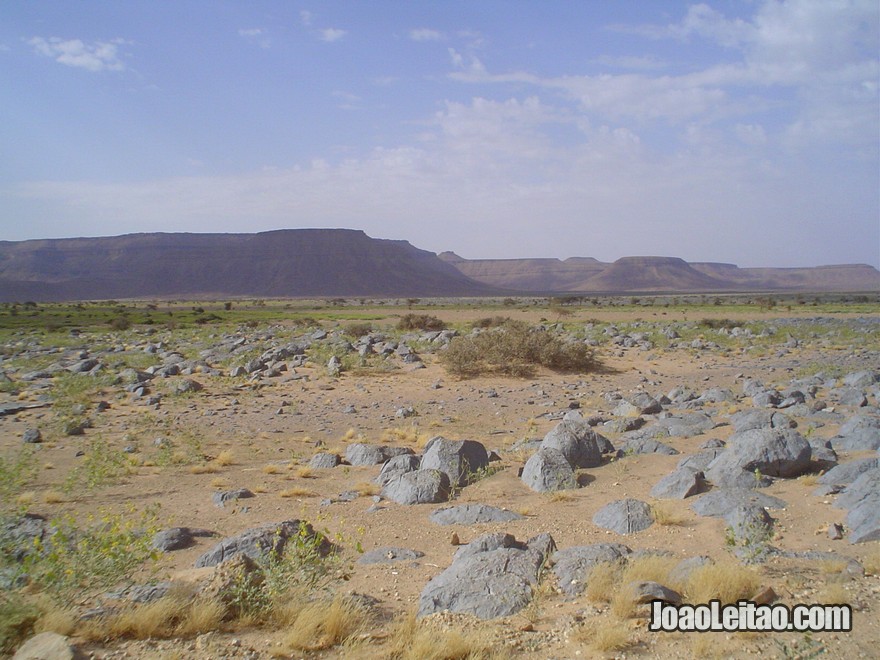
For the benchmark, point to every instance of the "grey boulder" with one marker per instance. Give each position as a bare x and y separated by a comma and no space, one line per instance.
548,470
418,487
458,459
625,516
472,514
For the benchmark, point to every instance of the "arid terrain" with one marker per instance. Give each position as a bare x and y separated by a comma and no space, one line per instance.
114,430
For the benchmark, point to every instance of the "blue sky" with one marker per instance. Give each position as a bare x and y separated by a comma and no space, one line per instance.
743,131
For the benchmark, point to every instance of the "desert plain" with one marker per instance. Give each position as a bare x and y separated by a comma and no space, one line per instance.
137,436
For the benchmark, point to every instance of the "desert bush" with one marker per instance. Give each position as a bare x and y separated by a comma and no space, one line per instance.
357,330
491,322
17,619
515,349
16,471
120,323
420,322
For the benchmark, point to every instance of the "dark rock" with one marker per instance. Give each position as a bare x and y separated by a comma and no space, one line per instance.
645,446
645,592
859,433
680,484
625,516
396,466
223,497
388,555
458,459
360,453
771,452
572,566
548,470
258,541
472,514
32,436
719,502
487,542
578,442
324,460
418,487
846,473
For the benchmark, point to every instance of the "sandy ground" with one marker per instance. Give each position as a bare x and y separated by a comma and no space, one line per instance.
272,430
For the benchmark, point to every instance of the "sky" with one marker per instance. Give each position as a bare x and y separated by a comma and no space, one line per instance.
737,131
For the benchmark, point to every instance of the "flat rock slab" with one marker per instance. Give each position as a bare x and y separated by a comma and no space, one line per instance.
624,516
719,503
846,473
388,555
47,646
645,446
224,497
572,566
397,466
471,514
258,541
859,433
178,538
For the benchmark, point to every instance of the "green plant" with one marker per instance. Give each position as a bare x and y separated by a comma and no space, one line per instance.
71,560
101,465
16,472
306,565
17,619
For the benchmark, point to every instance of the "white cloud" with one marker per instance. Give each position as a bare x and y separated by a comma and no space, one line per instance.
305,18
96,56
256,35
425,34
332,34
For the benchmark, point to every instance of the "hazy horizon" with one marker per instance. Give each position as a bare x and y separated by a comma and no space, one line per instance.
741,131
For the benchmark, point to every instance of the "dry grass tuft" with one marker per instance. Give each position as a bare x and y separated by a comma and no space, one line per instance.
871,563
408,640
726,581
648,568
53,497
323,625
271,468
26,498
810,479
404,435
606,637
225,458
602,580
561,496
204,468
666,514
367,488
296,491
203,615
305,472
834,593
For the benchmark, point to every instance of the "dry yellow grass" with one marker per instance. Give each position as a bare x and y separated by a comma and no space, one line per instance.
834,593
203,615
726,581
225,458
602,580
605,637
204,468
648,568
871,562
407,640
322,625
808,479
53,497
561,496
665,513
367,488
271,468
305,472
296,491
26,498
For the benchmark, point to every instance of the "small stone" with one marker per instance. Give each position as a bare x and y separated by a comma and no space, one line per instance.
455,540
835,531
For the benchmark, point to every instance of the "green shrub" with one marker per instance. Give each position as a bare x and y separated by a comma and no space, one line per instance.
420,322
491,322
515,349
17,619
358,330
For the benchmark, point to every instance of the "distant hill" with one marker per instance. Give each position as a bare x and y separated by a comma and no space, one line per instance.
285,263
646,274
347,263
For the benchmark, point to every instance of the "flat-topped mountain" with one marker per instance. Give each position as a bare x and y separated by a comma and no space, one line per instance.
345,262
669,274
285,263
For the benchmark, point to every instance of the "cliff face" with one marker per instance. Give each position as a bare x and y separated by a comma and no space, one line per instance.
296,262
